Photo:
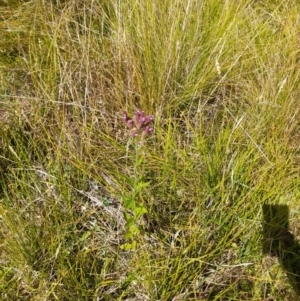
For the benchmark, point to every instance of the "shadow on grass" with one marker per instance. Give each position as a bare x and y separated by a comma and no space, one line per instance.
280,242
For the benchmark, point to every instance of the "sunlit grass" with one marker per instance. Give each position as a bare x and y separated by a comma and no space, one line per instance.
221,79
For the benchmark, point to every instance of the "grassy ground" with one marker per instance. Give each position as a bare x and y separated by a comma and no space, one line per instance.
222,81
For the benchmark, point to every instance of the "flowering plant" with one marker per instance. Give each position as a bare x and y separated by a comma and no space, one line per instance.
139,125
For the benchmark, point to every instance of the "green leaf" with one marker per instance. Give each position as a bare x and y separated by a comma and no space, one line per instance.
139,187
129,202
128,235
140,161
130,220
129,246
134,229
139,211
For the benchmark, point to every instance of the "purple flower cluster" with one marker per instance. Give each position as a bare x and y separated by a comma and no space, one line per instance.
139,123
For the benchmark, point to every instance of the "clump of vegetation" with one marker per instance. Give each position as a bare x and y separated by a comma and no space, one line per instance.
172,210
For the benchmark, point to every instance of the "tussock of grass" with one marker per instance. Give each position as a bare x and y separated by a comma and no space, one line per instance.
222,80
